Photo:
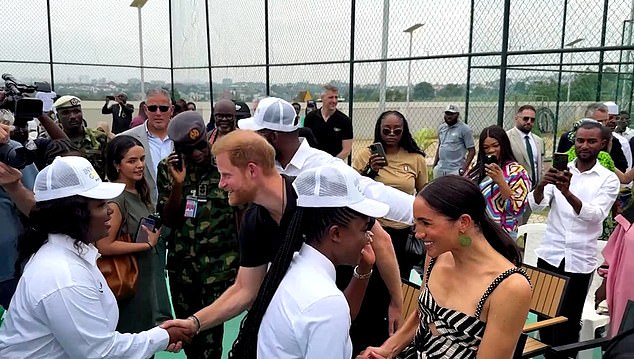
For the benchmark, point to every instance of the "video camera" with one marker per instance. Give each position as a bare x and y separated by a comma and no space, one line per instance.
19,100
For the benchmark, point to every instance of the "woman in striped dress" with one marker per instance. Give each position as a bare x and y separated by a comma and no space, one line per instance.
474,300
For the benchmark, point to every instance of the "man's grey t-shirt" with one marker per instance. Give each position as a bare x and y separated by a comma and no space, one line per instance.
454,141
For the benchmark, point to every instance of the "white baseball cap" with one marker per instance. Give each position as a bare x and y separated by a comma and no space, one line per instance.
613,108
335,186
70,176
273,114
452,108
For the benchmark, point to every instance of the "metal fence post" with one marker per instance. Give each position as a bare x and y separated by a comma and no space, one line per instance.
469,59
211,89
606,4
503,61
559,76
50,43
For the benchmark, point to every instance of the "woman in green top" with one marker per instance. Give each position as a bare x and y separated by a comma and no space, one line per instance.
125,162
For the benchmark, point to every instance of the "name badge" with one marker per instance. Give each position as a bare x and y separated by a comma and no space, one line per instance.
191,207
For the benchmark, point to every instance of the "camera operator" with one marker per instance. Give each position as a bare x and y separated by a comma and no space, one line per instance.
121,112
90,142
16,197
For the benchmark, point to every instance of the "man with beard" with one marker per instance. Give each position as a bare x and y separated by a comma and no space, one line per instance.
224,119
203,253
598,112
455,140
527,147
275,120
90,142
580,199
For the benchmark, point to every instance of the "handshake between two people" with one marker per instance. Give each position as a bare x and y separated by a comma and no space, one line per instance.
181,331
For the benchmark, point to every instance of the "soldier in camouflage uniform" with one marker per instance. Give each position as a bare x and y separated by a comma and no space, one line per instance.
90,142
203,255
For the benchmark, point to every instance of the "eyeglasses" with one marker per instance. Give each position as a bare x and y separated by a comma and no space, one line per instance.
222,116
153,108
391,131
526,118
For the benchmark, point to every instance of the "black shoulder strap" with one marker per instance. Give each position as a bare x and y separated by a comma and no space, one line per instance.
494,285
428,272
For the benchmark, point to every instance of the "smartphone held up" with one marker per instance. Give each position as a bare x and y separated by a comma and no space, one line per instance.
560,161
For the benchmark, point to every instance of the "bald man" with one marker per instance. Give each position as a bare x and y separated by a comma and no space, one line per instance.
224,118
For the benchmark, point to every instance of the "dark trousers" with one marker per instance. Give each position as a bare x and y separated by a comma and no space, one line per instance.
7,288
571,307
406,261
190,296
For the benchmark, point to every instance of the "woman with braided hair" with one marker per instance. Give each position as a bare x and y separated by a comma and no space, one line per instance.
299,312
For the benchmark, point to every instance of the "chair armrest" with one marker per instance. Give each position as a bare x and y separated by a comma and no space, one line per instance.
543,323
588,344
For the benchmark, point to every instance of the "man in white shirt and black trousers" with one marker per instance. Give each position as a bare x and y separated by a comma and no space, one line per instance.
579,198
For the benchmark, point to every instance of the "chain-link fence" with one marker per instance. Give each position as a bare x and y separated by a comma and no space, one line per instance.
415,56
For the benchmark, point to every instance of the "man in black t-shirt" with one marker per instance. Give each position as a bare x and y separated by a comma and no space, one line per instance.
331,127
246,162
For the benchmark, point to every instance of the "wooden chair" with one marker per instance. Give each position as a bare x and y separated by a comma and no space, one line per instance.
548,293
410,297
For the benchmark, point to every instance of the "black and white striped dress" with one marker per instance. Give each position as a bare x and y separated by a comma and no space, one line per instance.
458,335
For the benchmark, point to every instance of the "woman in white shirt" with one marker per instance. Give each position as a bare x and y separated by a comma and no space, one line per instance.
62,307
299,311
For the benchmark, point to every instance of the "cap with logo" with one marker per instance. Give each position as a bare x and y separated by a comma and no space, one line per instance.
335,186
187,128
242,110
66,102
73,176
613,108
452,108
272,114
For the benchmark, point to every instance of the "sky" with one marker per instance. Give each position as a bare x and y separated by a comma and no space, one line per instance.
107,32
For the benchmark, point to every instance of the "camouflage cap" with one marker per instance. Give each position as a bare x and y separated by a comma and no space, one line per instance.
187,128
67,101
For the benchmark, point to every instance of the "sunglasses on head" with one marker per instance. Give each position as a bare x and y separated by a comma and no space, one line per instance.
391,131
153,108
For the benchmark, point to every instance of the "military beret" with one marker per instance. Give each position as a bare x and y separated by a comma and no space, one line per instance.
67,101
187,128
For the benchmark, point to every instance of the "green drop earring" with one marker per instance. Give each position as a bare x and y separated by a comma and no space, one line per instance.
465,240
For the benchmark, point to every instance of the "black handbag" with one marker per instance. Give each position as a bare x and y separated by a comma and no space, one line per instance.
414,246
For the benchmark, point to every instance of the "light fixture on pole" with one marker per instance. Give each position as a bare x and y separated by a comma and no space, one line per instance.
139,4
571,45
410,30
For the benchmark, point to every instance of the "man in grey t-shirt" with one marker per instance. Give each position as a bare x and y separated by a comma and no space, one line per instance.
455,140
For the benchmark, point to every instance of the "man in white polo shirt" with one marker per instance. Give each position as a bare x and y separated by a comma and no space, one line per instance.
579,198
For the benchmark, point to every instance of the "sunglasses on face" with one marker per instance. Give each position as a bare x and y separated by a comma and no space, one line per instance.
153,108
527,119
392,131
